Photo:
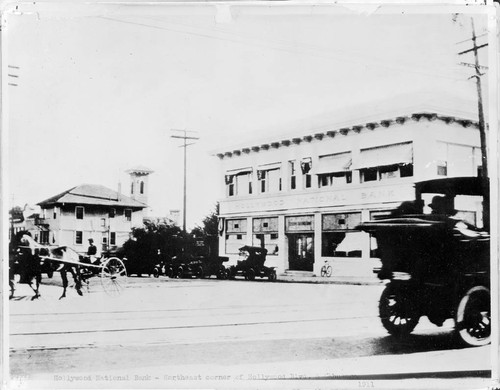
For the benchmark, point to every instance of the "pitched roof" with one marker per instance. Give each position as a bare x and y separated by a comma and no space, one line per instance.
140,169
92,194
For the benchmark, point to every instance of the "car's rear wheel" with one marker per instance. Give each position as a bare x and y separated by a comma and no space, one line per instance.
473,317
180,273
250,274
398,310
272,276
170,272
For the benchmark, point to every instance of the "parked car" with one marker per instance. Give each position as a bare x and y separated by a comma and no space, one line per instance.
251,264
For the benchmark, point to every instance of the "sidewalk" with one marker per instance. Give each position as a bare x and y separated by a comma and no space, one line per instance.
289,277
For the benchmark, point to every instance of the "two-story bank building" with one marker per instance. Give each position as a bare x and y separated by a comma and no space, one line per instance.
302,196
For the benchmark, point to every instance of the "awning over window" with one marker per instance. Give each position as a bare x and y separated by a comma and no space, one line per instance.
269,167
334,163
239,171
386,155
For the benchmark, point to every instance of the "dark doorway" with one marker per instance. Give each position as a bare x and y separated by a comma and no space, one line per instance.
301,252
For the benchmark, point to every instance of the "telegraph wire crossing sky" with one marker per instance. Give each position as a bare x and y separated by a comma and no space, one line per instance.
99,89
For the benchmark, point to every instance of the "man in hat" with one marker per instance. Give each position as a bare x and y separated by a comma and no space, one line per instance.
442,205
92,251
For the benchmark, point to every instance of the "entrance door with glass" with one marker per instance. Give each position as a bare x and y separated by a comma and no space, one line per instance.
301,251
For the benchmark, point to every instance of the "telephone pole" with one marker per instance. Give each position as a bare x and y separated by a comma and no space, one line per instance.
482,127
184,137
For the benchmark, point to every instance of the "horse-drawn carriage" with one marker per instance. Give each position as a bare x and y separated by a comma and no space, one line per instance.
437,265
28,259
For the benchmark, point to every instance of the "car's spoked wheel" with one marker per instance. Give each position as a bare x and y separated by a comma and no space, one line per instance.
398,311
113,276
473,320
272,276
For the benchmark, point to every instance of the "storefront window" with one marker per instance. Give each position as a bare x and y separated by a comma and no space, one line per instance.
236,233
265,234
339,237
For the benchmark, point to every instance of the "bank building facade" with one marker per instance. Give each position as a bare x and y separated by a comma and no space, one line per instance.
302,196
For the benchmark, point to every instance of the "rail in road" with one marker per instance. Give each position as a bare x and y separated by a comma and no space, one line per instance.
193,326
176,316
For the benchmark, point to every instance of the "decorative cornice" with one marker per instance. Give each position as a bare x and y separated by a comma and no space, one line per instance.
357,128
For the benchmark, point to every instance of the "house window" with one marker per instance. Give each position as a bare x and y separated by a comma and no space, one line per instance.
112,213
78,238
141,189
55,214
104,239
103,222
79,212
112,238
128,215
132,187
230,185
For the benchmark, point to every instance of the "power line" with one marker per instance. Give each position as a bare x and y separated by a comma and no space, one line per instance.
294,48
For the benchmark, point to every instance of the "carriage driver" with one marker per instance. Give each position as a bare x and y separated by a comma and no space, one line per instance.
92,251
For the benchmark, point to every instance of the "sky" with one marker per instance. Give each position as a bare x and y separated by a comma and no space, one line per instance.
100,87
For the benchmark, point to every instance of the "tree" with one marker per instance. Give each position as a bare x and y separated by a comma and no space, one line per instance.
208,232
153,237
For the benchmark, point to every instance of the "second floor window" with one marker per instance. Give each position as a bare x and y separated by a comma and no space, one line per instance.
128,215
141,189
305,167
79,212
334,169
269,179
292,171
78,238
112,213
239,182
386,162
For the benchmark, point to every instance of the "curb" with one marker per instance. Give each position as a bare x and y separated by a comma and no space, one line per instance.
355,282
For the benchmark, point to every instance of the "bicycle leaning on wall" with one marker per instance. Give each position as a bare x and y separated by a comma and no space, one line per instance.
326,270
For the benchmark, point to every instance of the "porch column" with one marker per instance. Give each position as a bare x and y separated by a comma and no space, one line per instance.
317,244
282,245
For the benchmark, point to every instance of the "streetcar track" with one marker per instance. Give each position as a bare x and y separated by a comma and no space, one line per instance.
188,326
239,307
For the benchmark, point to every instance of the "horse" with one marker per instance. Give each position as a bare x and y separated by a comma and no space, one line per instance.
29,264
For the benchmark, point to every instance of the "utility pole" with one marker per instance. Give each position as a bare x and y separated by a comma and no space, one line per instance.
482,127
184,137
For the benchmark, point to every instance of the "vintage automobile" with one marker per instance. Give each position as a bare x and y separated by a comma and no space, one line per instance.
251,264
437,265
198,266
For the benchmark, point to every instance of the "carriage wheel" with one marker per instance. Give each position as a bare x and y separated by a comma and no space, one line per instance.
113,276
472,320
170,272
156,272
398,311
250,274
200,273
